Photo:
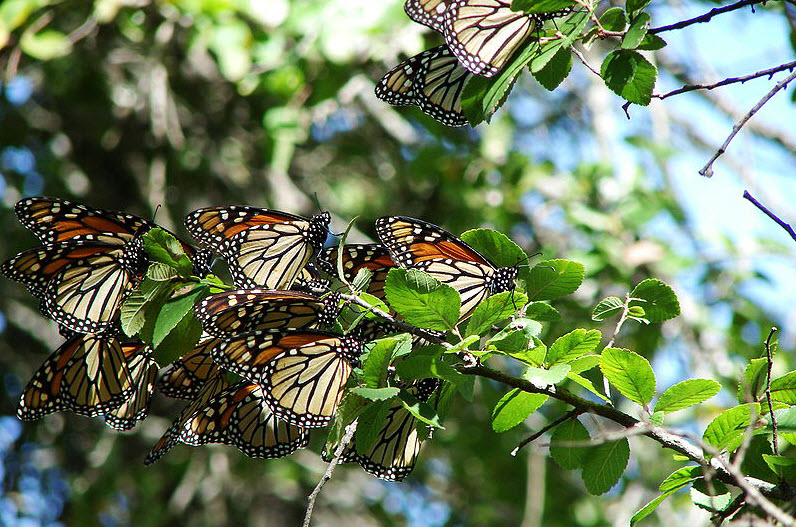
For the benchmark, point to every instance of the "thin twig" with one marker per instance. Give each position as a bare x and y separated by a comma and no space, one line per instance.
705,17
768,390
584,61
338,453
622,318
770,214
729,80
707,170
719,517
85,29
533,437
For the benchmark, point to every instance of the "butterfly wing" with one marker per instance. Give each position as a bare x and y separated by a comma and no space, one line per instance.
372,256
484,34
185,377
416,244
87,375
171,437
430,13
239,416
303,373
144,373
232,313
433,80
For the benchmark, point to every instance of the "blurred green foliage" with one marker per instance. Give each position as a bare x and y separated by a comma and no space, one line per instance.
158,108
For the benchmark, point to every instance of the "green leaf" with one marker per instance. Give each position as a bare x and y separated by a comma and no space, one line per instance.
753,381
379,357
174,311
630,373
164,248
658,300
555,71
728,428
376,394
143,305
45,45
161,272
637,31
422,366
716,499
657,418
637,313
628,74
607,307
571,28
785,416
586,363
783,467
573,345
375,302
649,508
494,309
680,478
614,19
541,6
180,340
422,300
586,383
553,278
542,312
634,6
350,408
562,448
783,388
544,377
370,423
422,411
514,408
464,344
361,280
604,464
651,43
496,246
687,393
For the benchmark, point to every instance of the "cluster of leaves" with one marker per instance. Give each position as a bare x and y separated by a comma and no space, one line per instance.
549,56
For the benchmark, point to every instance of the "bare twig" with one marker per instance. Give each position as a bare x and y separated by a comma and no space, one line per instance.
338,453
85,29
533,437
705,17
622,318
584,61
768,390
770,214
707,170
729,80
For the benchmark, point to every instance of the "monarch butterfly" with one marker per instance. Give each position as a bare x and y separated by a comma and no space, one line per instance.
185,377
171,437
143,372
239,416
415,244
86,375
310,280
55,220
228,314
430,13
264,248
81,283
302,372
394,452
371,256
433,80
484,34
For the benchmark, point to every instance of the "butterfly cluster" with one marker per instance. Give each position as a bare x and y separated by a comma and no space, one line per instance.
480,38
275,356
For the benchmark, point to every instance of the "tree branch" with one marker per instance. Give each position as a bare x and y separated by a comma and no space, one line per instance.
667,439
707,170
768,391
533,437
770,214
705,17
338,453
729,80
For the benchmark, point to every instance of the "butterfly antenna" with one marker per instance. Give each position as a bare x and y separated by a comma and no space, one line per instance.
317,201
157,208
